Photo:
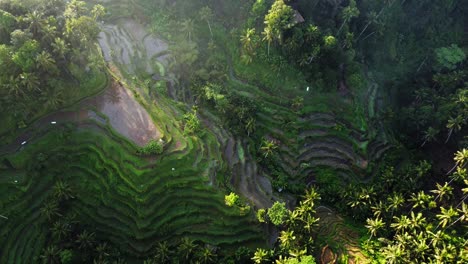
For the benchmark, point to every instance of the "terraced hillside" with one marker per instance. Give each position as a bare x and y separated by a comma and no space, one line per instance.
129,201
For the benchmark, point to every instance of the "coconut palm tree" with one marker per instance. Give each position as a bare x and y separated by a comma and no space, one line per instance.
46,63
374,225
50,255
247,41
207,255
206,14
36,22
60,48
395,201
50,209
52,97
188,26
268,148
401,223
30,81
268,37
287,239
102,250
250,125
348,13
63,191
14,87
85,240
260,256
442,191
461,159
163,252
60,229
454,125
430,135
186,248
446,216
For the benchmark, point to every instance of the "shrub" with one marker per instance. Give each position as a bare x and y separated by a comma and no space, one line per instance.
278,213
152,148
231,199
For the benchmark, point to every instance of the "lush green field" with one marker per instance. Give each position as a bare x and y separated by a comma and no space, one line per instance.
129,201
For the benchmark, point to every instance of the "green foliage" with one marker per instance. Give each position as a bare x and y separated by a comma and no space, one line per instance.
154,147
66,256
192,123
330,42
231,199
278,213
280,18
25,56
261,215
449,57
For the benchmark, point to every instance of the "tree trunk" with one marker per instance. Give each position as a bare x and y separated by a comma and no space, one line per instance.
209,26
449,135
341,27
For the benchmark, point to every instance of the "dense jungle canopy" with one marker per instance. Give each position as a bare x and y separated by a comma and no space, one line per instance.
233,131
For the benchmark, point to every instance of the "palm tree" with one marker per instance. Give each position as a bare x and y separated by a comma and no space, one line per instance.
348,13
260,256
102,250
374,225
311,196
442,191
50,255
14,87
52,97
60,229
287,239
446,216
30,81
85,240
206,14
268,37
50,209
186,248
430,135
246,40
401,223
392,253
207,255
421,199
46,63
36,22
454,125
395,201
98,11
163,253
250,125
188,27
268,147
60,48
461,159
49,32
62,190
417,220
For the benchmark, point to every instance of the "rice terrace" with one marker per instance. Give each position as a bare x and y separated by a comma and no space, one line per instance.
233,131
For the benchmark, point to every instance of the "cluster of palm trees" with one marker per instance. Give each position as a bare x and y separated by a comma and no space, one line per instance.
39,49
427,227
295,242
